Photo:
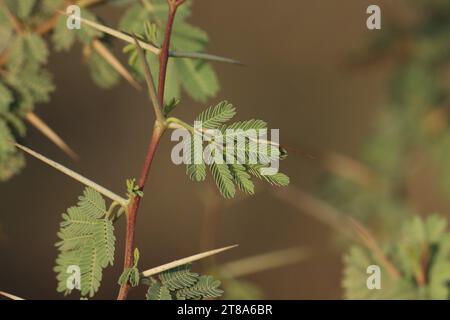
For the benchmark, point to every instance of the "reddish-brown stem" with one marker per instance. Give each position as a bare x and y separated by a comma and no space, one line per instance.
164,56
134,207
158,130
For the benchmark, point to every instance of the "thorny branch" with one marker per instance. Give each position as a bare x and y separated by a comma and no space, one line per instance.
158,130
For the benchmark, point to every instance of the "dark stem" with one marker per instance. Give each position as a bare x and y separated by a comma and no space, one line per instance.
134,207
164,56
158,130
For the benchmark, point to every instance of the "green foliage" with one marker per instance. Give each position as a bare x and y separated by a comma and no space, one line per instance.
169,107
404,132
231,164
182,284
421,254
133,190
197,78
102,73
131,275
86,240
64,38
25,82
11,161
179,278
22,9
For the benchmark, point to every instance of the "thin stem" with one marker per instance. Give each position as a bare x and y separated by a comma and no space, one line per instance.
134,207
150,85
158,130
164,56
150,47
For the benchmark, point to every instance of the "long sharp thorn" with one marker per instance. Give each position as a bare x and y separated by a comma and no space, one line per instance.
114,33
115,63
48,132
149,47
10,296
204,56
181,262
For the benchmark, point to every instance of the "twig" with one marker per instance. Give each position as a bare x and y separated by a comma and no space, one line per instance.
149,47
157,106
180,262
158,130
164,55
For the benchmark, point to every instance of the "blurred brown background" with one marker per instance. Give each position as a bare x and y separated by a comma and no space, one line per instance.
295,78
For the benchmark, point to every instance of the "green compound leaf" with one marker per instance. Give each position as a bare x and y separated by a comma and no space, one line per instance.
179,278
157,291
87,241
234,164
206,288
224,180
215,116
242,178
182,284
279,179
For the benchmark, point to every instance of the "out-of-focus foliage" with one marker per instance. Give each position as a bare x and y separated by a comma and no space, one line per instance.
421,255
412,124
412,133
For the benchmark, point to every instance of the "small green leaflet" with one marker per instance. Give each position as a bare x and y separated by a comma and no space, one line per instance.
131,275
181,283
